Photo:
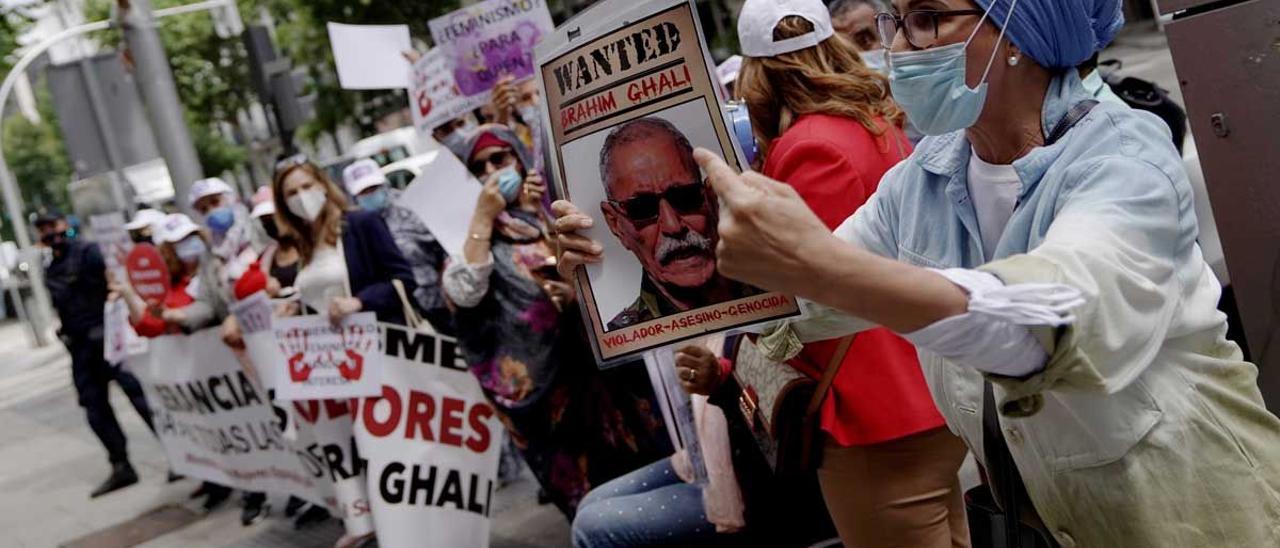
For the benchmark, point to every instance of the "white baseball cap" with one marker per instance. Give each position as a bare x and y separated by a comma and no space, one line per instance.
263,204
145,218
729,69
174,228
362,175
758,18
212,186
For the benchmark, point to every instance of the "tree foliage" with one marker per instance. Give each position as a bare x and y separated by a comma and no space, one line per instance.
37,158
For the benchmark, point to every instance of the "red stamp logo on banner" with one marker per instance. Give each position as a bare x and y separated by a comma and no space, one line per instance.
148,273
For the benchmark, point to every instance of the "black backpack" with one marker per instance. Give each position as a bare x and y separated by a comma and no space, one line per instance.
1146,95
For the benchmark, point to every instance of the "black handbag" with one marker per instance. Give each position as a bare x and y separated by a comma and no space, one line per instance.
1001,514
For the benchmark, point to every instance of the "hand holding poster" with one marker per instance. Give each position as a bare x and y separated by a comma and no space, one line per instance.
630,97
484,42
327,361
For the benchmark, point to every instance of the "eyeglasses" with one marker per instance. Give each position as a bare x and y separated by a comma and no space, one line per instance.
643,208
498,160
921,26
291,161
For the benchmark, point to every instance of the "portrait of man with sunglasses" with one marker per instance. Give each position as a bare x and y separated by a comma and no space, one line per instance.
660,209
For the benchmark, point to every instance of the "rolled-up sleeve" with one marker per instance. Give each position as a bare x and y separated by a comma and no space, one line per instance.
1116,239
467,284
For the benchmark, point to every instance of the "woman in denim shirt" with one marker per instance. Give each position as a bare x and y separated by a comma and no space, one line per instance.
1061,267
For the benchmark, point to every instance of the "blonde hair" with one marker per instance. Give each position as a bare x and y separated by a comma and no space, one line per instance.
327,227
829,78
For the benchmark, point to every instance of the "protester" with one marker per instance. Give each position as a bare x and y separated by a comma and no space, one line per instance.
830,130
516,105
1046,245
856,21
426,256
196,299
349,259
77,282
230,233
142,227
727,73
520,333
453,134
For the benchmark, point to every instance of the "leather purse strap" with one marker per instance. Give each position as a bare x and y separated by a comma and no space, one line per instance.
829,375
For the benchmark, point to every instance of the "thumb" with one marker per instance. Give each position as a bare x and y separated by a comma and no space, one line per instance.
722,178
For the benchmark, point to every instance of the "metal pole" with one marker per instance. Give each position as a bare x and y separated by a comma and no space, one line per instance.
155,82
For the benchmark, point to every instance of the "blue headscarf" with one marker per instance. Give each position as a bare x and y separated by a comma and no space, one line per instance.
1059,34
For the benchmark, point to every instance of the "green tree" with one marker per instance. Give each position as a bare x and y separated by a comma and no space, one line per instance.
37,158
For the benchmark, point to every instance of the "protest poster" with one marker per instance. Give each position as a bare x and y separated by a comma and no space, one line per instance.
253,313
113,241
216,424
434,97
488,40
444,201
328,427
323,360
119,338
631,91
148,273
431,442
371,56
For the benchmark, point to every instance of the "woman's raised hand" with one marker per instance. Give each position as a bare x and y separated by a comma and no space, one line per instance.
768,235
575,249
491,202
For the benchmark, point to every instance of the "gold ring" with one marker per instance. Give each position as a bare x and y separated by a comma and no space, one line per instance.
690,374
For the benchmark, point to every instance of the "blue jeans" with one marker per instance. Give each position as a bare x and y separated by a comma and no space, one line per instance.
651,506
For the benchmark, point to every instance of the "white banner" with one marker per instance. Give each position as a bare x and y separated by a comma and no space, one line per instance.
327,361
119,339
216,424
432,443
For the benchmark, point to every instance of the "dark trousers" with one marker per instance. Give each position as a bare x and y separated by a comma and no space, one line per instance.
92,376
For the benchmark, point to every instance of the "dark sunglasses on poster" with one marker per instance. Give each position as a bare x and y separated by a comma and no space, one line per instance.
643,208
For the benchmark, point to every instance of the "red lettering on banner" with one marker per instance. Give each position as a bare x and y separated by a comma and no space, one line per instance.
382,429
451,421
421,410
655,87
336,408
581,112
479,412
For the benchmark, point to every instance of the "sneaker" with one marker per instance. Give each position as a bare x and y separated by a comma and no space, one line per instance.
122,475
217,495
292,507
314,514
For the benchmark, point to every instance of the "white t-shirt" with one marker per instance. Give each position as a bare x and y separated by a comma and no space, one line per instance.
994,190
324,278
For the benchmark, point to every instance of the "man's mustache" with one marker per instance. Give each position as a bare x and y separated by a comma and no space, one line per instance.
691,241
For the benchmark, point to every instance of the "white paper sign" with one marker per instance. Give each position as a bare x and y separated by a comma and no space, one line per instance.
445,198
434,97
432,442
113,240
253,313
326,361
371,56
119,339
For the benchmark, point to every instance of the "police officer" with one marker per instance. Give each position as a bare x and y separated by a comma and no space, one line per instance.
77,280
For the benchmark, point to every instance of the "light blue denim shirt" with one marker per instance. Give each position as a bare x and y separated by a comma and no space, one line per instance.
1145,428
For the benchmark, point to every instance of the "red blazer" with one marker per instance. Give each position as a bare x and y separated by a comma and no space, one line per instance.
880,393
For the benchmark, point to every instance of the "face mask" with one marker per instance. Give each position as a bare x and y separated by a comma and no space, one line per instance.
307,204
509,182
529,114
189,250
874,59
458,137
373,201
220,220
930,84
269,227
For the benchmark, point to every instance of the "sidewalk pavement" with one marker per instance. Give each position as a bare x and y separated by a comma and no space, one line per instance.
52,461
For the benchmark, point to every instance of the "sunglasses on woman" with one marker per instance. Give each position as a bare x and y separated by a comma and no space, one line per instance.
643,208
498,160
921,26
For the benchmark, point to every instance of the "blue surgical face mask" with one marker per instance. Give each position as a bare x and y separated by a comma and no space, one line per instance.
509,183
374,201
930,84
874,59
220,220
190,250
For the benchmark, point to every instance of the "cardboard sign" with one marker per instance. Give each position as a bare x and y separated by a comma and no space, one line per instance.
113,240
634,85
216,424
432,443
371,56
484,42
326,361
148,273
434,97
